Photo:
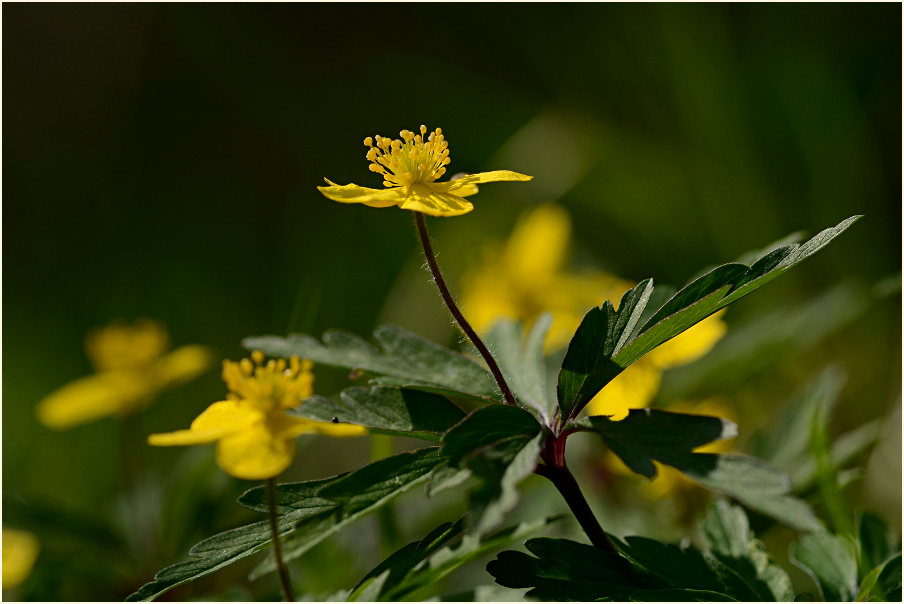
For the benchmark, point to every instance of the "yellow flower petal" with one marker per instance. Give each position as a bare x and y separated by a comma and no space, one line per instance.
536,248
296,426
428,201
183,364
633,388
20,550
93,397
492,176
217,421
691,344
352,193
255,453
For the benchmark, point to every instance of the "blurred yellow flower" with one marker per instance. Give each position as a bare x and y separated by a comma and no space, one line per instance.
255,436
526,277
132,368
20,550
409,168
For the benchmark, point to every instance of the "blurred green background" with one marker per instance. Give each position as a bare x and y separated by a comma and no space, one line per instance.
160,161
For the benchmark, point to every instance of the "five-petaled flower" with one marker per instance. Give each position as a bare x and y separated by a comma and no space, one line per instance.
255,435
132,368
410,167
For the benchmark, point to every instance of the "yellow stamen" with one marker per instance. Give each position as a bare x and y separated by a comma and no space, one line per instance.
409,160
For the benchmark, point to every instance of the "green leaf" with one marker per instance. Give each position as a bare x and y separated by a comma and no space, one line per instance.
521,361
883,583
498,444
727,536
403,359
831,562
228,547
353,495
648,435
877,542
594,359
566,570
387,411
424,563
308,511
679,595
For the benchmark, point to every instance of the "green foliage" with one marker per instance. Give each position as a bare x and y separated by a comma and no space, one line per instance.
499,444
646,435
425,562
403,359
831,562
309,511
603,346
883,583
387,411
520,359
877,543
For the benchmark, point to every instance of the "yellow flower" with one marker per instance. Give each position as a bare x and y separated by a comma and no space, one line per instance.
255,436
132,369
20,550
409,168
526,277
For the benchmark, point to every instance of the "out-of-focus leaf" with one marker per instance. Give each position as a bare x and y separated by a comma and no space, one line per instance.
521,361
877,542
403,359
310,511
883,583
831,562
498,444
727,536
387,411
750,348
679,595
593,359
425,562
648,435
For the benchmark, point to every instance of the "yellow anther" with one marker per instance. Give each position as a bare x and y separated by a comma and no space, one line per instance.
368,142
257,356
423,129
246,366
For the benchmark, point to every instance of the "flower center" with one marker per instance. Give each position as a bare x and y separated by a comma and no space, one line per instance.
410,160
273,386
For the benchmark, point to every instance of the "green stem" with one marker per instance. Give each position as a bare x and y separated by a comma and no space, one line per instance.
277,545
453,308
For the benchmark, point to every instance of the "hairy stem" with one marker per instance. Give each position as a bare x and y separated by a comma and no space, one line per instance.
453,308
277,546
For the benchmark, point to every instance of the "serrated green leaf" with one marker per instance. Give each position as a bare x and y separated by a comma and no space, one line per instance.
387,411
648,435
228,547
831,562
592,360
520,359
403,359
651,434
353,495
727,536
498,444
876,542
424,563
567,570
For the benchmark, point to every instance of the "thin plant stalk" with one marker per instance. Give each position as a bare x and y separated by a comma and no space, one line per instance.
453,308
277,545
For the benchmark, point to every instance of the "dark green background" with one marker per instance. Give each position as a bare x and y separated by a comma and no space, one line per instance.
160,160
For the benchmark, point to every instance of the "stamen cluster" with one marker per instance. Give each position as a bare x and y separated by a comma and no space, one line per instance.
413,159
272,386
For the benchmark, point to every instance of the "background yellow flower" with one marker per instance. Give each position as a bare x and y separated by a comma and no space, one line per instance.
132,368
527,276
20,550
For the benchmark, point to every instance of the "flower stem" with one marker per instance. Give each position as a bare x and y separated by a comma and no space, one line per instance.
277,546
453,308
561,477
